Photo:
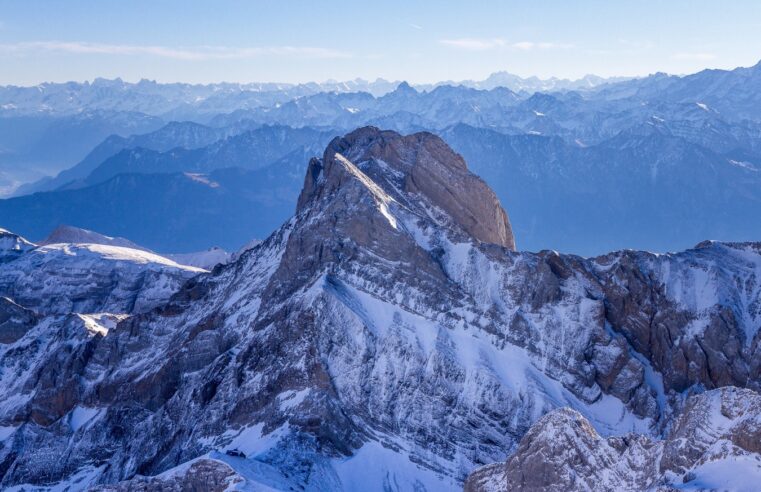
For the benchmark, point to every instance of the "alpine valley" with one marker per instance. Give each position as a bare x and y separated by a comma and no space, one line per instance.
388,335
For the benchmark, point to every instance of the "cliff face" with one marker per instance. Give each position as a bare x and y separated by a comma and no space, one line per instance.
419,172
388,335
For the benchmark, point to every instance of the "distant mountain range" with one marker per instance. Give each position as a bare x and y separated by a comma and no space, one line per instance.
48,127
174,99
181,200
172,212
656,163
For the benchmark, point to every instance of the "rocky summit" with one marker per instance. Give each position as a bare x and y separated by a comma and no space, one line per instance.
387,337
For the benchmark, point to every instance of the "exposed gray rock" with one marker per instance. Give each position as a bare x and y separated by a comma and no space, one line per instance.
416,168
713,445
15,320
203,475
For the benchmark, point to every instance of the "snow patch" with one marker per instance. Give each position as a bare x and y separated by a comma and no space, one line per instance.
737,473
82,416
743,164
203,179
252,441
382,199
292,399
114,253
377,468
101,323
6,431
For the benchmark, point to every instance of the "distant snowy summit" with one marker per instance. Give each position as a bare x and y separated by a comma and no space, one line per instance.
70,234
64,236
159,99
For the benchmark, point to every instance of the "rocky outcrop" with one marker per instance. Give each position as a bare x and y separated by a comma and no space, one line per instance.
713,445
12,246
694,316
203,475
386,336
15,320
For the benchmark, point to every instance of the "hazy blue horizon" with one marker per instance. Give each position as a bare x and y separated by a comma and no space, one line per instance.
234,41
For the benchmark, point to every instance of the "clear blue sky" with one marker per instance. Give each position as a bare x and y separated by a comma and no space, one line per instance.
297,41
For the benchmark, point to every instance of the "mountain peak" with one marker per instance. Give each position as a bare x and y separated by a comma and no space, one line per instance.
71,234
406,88
419,172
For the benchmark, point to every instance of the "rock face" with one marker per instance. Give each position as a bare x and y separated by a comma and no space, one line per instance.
417,171
14,320
387,336
713,444
200,475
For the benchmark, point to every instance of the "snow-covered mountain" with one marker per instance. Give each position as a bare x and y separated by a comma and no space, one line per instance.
712,445
87,277
387,336
530,85
71,234
177,100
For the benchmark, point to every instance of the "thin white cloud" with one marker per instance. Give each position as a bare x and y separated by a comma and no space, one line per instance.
416,26
694,56
483,44
637,45
528,45
190,54
474,44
